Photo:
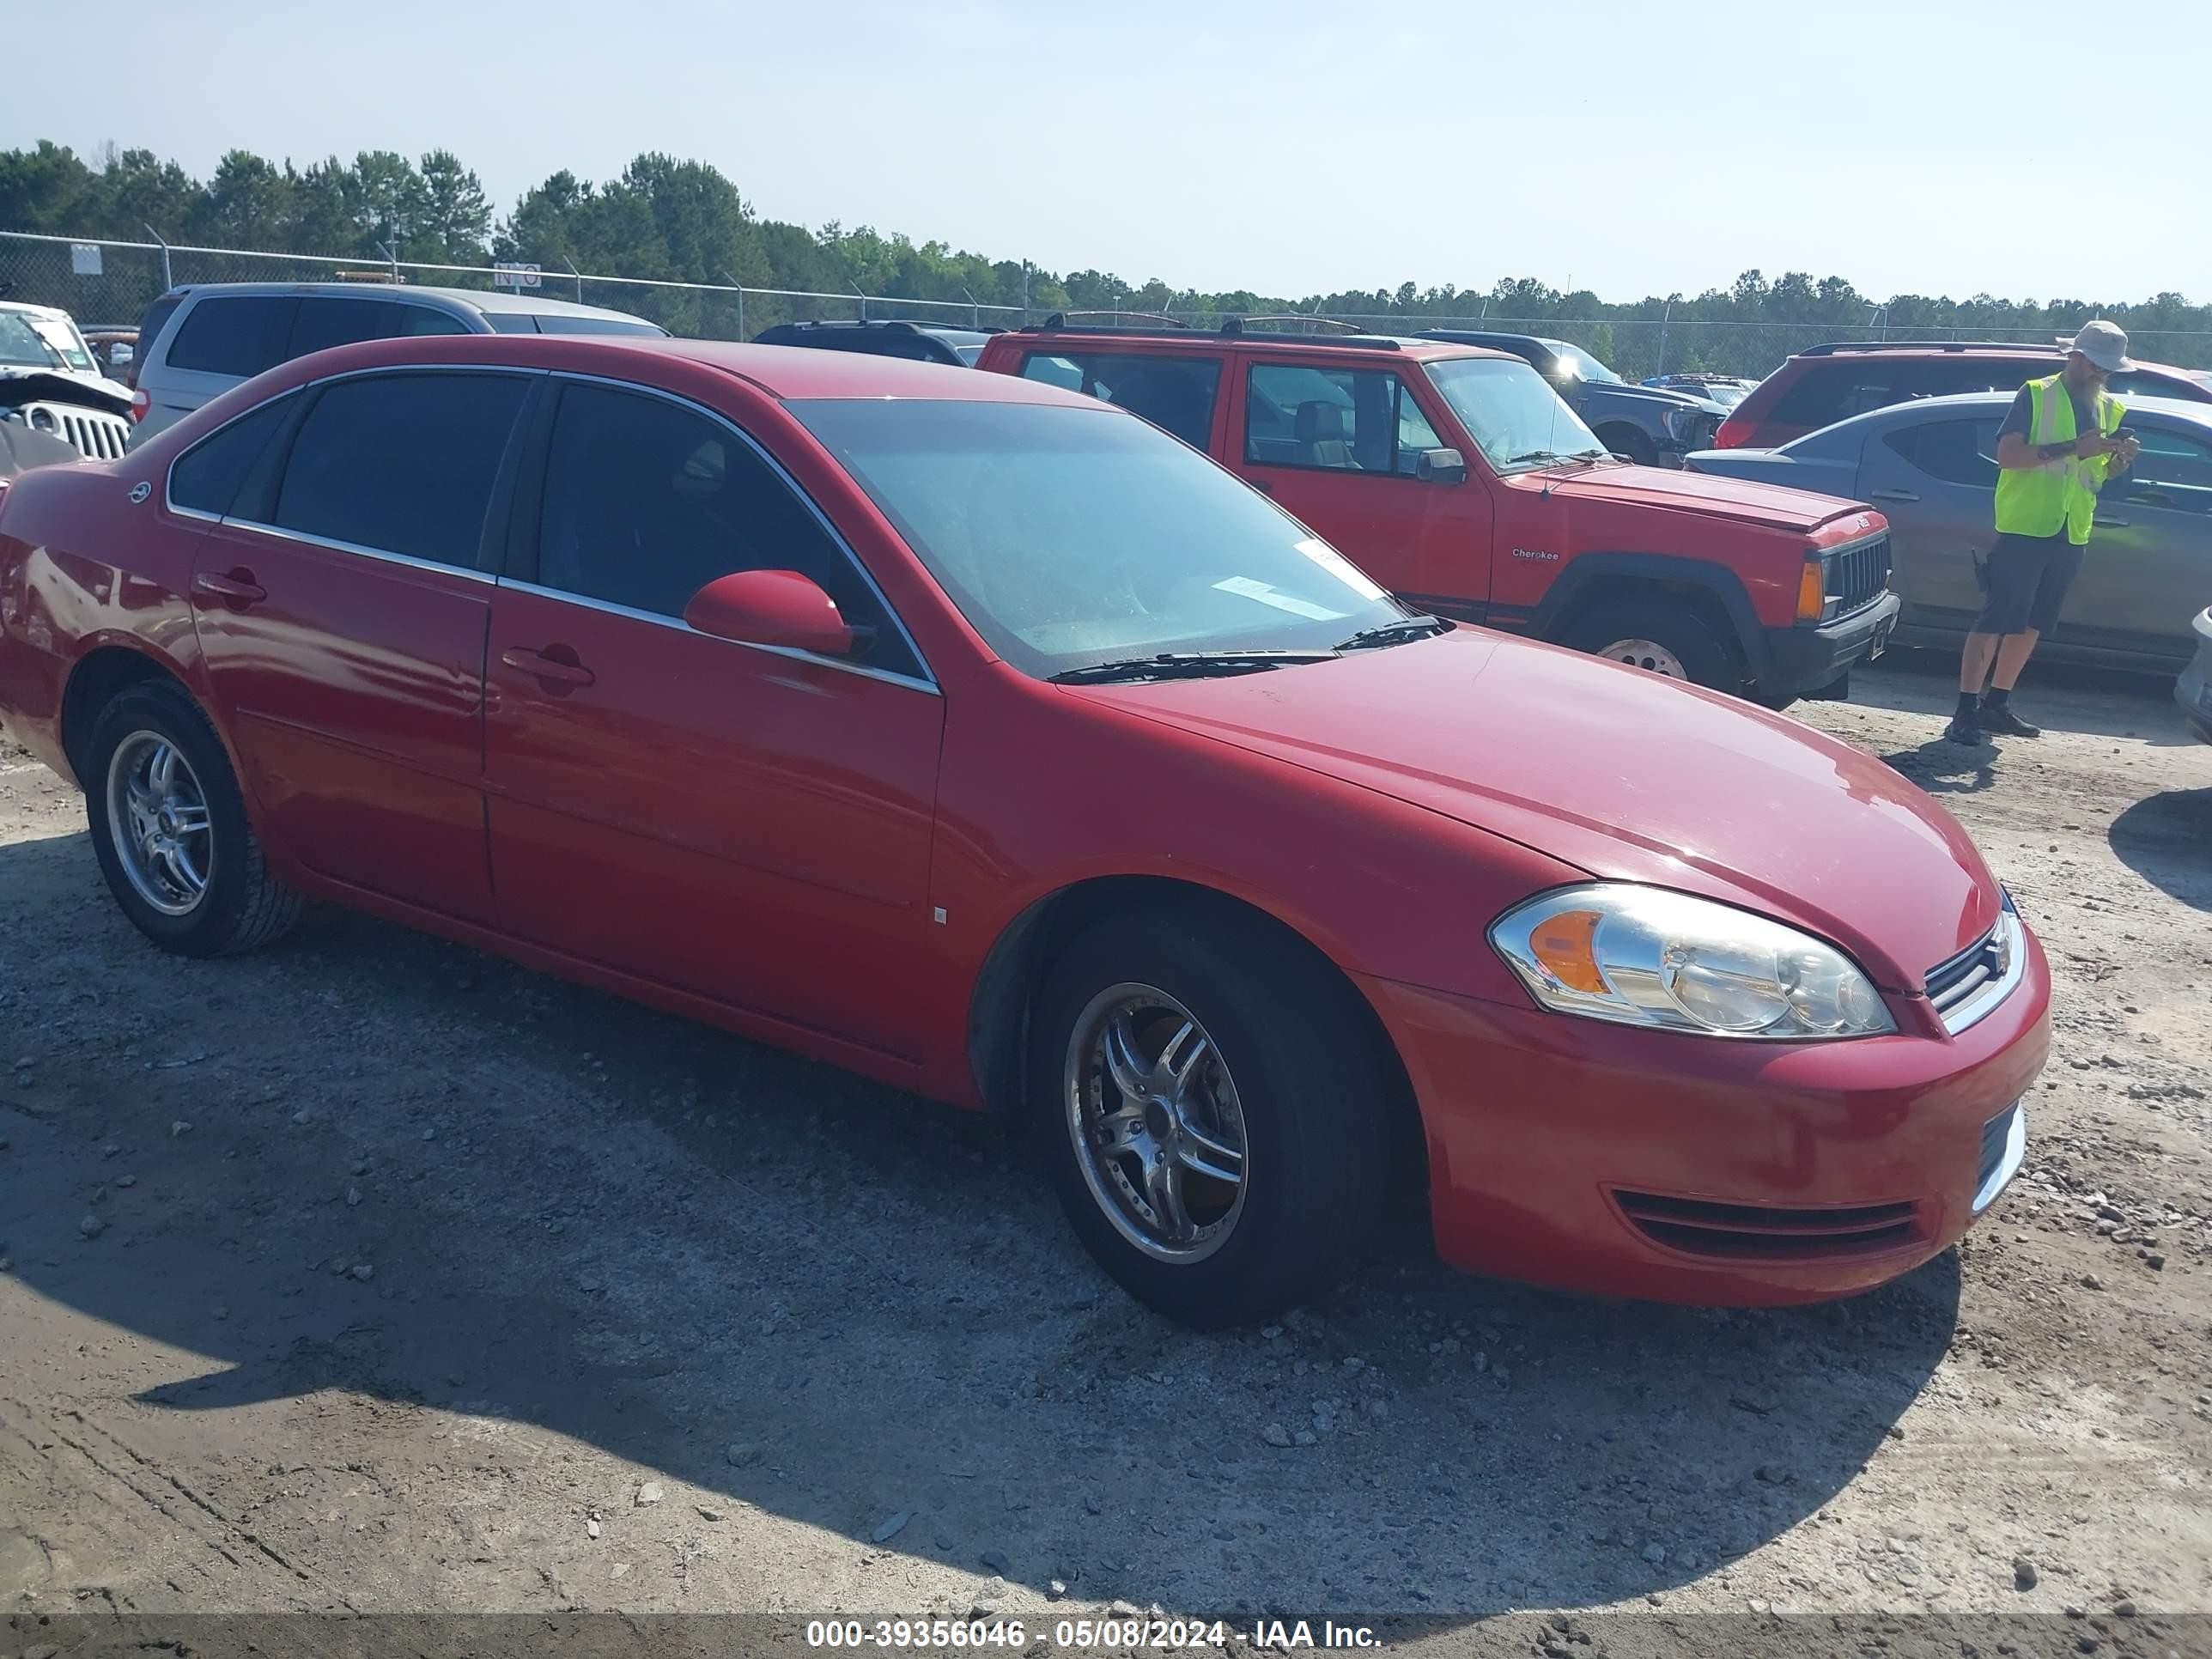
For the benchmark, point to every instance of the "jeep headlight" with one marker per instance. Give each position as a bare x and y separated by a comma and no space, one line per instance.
1645,956
1682,424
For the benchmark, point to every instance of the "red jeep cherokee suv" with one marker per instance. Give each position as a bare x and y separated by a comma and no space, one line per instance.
1458,478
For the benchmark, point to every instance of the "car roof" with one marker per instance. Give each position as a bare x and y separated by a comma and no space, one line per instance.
1399,347
884,326
1997,402
792,373
1844,350
485,299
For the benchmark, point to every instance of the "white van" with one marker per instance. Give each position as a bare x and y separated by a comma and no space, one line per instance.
198,342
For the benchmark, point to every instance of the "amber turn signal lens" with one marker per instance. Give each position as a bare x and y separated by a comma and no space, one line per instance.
1566,946
1812,592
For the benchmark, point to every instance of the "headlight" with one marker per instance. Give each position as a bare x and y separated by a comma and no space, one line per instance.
43,419
1643,955
1681,424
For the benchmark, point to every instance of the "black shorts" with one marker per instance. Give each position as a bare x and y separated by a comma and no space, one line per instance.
2027,578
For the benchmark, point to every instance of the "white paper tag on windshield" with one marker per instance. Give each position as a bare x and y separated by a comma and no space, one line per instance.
1340,567
1250,587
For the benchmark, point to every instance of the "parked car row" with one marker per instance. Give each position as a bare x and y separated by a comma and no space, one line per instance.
958,728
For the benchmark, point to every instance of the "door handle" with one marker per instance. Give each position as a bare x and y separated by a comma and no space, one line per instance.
543,667
2115,523
1892,495
235,587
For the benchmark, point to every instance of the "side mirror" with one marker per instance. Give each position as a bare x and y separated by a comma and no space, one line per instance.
1446,466
771,607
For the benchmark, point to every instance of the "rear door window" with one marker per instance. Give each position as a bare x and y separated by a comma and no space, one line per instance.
322,324
1830,391
401,463
239,335
416,321
1351,420
1175,394
2173,470
1957,451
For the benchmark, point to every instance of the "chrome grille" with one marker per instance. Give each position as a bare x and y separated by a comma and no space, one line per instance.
94,435
1967,986
1858,574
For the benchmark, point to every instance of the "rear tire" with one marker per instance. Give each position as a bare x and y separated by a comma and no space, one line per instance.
1283,1076
169,829
1661,635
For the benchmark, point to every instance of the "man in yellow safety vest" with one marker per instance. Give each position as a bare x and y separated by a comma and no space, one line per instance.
2059,447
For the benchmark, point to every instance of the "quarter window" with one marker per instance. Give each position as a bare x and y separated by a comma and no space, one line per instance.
647,501
1175,394
401,463
1350,420
207,476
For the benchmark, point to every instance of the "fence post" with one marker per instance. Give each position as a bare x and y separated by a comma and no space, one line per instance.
975,310
168,281
1663,316
740,288
579,276
1025,293
864,302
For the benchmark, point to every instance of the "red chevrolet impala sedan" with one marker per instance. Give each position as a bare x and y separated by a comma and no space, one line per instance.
980,738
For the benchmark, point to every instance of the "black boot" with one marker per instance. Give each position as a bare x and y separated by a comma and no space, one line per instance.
1997,715
1966,724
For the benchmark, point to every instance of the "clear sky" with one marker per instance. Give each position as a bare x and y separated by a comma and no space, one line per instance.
2029,149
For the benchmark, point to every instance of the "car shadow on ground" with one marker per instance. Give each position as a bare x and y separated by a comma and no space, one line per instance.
772,1284
2167,839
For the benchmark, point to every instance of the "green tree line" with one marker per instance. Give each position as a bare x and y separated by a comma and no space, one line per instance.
671,219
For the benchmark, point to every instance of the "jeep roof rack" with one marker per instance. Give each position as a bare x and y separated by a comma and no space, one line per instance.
1057,322
911,325
1831,348
1239,324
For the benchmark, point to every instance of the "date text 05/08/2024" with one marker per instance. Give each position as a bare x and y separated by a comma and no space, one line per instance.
1281,1634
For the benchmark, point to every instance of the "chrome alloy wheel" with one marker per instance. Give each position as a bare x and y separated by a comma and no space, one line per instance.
1159,1132
157,818
1647,654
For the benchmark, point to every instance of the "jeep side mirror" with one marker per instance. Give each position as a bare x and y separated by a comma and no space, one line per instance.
1446,466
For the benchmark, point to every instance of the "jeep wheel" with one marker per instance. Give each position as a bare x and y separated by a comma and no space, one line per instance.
1661,636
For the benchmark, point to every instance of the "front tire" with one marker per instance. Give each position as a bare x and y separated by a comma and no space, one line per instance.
1212,1114
1661,637
169,829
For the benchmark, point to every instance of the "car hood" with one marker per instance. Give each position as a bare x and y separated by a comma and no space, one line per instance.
1773,505
18,386
1622,774
1651,394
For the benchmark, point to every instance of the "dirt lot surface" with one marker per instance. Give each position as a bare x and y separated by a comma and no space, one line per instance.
369,1274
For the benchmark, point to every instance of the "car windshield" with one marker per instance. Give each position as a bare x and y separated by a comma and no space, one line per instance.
1512,413
24,343
1580,364
1073,536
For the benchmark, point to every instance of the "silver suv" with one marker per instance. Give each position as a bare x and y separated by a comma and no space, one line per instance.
197,343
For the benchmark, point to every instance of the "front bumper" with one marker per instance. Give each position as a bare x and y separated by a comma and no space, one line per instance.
1673,1167
1803,659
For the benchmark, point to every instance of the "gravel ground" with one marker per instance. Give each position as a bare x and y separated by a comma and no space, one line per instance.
372,1275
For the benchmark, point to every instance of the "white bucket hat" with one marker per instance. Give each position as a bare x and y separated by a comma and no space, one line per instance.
2103,343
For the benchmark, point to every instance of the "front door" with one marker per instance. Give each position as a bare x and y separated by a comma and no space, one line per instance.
749,824
2148,568
341,607
1339,448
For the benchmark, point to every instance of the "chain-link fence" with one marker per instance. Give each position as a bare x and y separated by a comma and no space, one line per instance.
112,283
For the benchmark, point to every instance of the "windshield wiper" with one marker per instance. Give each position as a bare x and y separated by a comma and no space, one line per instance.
1394,633
1587,457
1187,665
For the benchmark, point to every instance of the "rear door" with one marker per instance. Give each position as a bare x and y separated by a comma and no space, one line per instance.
746,823
2148,566
1935,480
1337,445
342,604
